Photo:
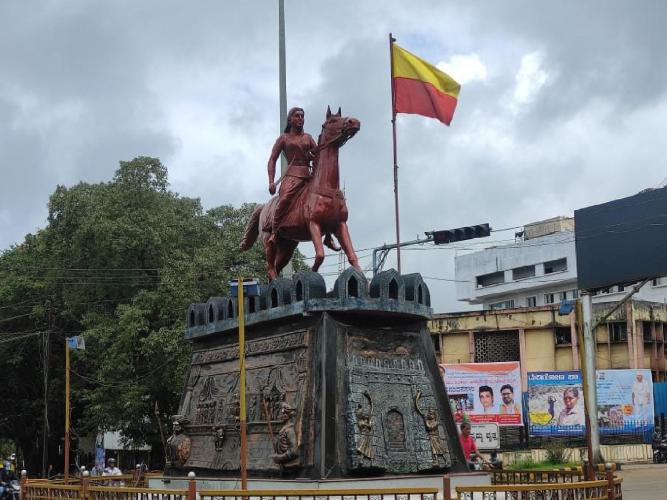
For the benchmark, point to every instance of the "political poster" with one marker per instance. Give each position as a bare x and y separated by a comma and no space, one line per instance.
484,392
555,403
625,400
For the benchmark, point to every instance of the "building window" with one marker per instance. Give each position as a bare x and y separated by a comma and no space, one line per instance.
436,345
505,304
531,301
621,288
497,347
562,296
659,281
491,279
555,266
549,298
523,272
647,331
618,331
563,335
575,293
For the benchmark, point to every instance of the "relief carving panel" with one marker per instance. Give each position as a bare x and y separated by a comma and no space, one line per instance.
400,432
276,379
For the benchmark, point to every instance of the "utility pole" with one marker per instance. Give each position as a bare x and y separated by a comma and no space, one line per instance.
46,341
67,409
587,355
589,379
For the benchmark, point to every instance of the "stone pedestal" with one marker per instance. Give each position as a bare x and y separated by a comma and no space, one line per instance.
339,384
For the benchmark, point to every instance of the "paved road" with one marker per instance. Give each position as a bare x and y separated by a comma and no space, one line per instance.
642,482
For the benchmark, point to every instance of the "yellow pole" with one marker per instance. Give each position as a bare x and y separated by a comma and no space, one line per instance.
242,402
66,412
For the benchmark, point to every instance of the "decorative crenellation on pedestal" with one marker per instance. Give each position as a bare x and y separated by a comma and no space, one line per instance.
306,292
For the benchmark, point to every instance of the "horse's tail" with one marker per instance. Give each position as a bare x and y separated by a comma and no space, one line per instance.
251,230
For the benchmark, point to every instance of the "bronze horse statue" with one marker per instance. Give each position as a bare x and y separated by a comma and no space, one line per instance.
318,211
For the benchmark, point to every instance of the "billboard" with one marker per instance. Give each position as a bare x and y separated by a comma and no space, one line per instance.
555,403
622,241
625,400
484,392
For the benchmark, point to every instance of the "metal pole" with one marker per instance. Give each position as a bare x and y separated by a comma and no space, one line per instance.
46,343
67,391
623,300
288,270
377,265
159,425
282,76
242,403
393,134
590,391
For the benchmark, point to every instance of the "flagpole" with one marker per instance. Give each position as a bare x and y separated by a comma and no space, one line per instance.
393,133
67,364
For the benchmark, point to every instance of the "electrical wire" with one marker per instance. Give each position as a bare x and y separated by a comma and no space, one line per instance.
128,383
21,337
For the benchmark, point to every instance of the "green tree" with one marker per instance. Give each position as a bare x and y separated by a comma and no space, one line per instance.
118,263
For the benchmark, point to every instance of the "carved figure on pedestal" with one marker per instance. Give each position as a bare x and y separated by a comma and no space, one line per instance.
365,426
178,444
432,429
219,438
219,461
287,445
309,207
235,408
273,394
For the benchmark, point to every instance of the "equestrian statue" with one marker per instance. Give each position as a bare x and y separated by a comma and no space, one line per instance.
310,204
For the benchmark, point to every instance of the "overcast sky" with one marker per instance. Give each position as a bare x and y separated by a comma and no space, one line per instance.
563,105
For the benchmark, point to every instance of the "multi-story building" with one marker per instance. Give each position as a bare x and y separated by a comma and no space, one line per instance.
537,270
520,287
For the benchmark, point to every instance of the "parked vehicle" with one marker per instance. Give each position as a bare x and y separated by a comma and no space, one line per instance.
659,446
12,490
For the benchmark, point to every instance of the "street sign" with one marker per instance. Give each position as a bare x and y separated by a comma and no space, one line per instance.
486,436
250,287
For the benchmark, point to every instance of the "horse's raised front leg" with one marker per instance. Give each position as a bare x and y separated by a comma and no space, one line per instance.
316,236
343,236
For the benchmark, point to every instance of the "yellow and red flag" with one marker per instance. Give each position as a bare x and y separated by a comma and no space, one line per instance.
422,89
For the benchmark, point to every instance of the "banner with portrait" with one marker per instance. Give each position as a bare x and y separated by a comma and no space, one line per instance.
484,392
625,400
555,403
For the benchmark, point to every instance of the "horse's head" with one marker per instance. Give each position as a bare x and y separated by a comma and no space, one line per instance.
337,129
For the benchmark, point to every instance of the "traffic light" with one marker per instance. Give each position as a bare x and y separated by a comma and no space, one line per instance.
460,234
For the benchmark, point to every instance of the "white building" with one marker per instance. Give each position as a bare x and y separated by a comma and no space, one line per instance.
537,270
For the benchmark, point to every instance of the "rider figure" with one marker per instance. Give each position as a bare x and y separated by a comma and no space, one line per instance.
300,149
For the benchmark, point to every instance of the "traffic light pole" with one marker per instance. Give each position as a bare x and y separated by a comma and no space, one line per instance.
378,261
438,237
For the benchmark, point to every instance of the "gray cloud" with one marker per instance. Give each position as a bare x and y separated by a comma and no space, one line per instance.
85,84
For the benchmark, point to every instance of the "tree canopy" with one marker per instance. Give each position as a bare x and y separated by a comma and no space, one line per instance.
118,263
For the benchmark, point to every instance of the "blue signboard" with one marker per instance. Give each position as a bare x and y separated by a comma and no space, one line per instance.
555,403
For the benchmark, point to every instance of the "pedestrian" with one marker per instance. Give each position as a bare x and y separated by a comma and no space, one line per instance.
469,446
112,470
